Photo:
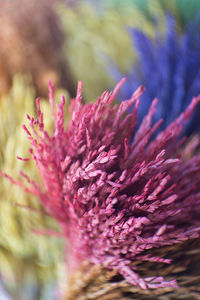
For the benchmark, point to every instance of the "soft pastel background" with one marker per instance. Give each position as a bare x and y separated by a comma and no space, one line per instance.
97,42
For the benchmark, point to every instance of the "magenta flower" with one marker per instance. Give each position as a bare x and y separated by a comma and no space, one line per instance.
116,195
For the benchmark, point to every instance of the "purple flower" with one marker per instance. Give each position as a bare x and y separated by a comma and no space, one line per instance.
116,200
169,68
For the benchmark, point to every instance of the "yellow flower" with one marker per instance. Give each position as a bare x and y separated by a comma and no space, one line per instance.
23,254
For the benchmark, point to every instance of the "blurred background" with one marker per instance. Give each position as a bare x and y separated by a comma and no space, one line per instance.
151,42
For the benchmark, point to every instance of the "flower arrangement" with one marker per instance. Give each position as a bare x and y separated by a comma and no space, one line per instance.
118,193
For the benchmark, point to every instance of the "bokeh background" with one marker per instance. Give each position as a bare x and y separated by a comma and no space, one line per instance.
151,42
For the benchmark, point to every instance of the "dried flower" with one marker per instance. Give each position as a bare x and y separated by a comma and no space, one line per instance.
116,200
169,68
26,259
103,33
38,40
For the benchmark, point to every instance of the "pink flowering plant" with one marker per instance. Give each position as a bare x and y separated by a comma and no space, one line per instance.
115,190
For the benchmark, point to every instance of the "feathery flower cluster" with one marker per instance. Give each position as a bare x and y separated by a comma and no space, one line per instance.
169,68
115,200
19,246
103,34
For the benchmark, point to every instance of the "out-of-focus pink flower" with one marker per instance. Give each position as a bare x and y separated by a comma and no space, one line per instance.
116,192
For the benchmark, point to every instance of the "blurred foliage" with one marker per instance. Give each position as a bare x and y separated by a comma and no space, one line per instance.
169,68
92,36
98,30
24,256
32,44
184,10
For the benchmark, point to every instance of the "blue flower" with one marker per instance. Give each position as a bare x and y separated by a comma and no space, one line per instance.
169,68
